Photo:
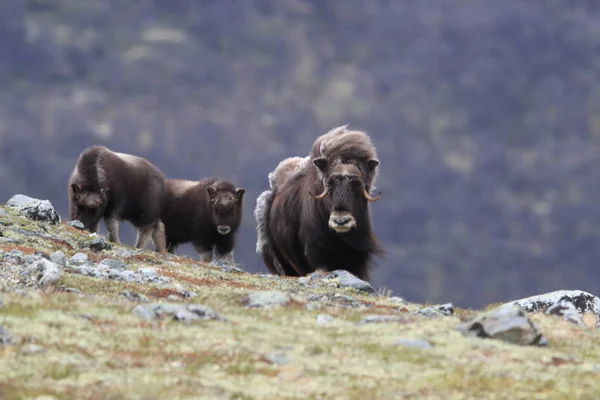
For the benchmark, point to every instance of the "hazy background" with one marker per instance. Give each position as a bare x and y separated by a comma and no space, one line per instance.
486,116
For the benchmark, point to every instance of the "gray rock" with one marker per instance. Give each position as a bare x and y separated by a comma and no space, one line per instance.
147,272
36,209
133,296
59,258
178,312
47,272
32,348
113,264
567,311
3,213
413,343
31,258
437,311
76,224
346,279
397,299
584,302
16,255
267,299
99,244
373,319
124,253
6,338
508,323
277,358
226,266
78,259
324,319
70,290
127,276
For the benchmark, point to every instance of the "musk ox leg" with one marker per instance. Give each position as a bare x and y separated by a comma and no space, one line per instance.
112,226
158,237
204,253
171,248
144,236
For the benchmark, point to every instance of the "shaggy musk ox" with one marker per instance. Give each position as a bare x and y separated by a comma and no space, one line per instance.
316,215
117,186
206,213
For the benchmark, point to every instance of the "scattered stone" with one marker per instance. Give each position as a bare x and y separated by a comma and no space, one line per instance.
133,296
324,319
267,299
6,338
277,358
346,279
508,323
15,255
397,299
113,264
78,259
99,244
3,213
36,209
437,311
45,272
584,302
413,343
59,258
76,224
178,312
148,272
373,319
173,298
124,253
567,311
226,266
70,290
32,348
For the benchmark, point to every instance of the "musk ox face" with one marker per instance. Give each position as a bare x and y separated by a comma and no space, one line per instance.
226,208
345,191
88,206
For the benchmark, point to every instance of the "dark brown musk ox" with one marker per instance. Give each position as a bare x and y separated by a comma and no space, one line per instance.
316,214
115,186
206,213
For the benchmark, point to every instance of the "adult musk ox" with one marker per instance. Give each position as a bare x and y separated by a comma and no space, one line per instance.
206,213
117,186
316,214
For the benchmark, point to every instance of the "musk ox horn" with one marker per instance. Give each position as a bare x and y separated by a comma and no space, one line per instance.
369,197
320,196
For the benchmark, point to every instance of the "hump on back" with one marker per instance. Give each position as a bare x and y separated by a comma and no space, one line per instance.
316,213
116,186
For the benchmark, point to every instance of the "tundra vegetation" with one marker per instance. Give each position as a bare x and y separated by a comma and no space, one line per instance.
84,318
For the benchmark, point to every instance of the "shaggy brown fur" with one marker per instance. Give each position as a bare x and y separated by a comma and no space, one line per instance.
316,215
206,213
115,186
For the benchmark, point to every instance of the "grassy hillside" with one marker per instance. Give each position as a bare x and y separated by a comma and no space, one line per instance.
89,337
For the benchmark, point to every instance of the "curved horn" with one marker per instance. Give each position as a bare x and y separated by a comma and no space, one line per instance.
320,196
369,197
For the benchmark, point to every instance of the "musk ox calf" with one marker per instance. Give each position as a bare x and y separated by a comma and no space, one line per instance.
115,186
206,213
316,214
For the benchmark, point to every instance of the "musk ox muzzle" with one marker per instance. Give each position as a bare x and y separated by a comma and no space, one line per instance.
341,221
223,229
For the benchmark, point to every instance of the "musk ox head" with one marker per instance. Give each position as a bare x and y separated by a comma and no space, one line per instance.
345,190
88,206
225,205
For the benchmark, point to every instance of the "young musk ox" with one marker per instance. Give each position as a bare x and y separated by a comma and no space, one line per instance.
206,213
316,215
117,186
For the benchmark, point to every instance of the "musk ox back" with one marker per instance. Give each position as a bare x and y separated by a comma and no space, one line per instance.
316,215
116,186
206,213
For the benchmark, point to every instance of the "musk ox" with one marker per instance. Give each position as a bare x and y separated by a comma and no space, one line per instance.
316,214
206,213
115,186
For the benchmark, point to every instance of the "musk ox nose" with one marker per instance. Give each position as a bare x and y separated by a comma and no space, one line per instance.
224,229
341,220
